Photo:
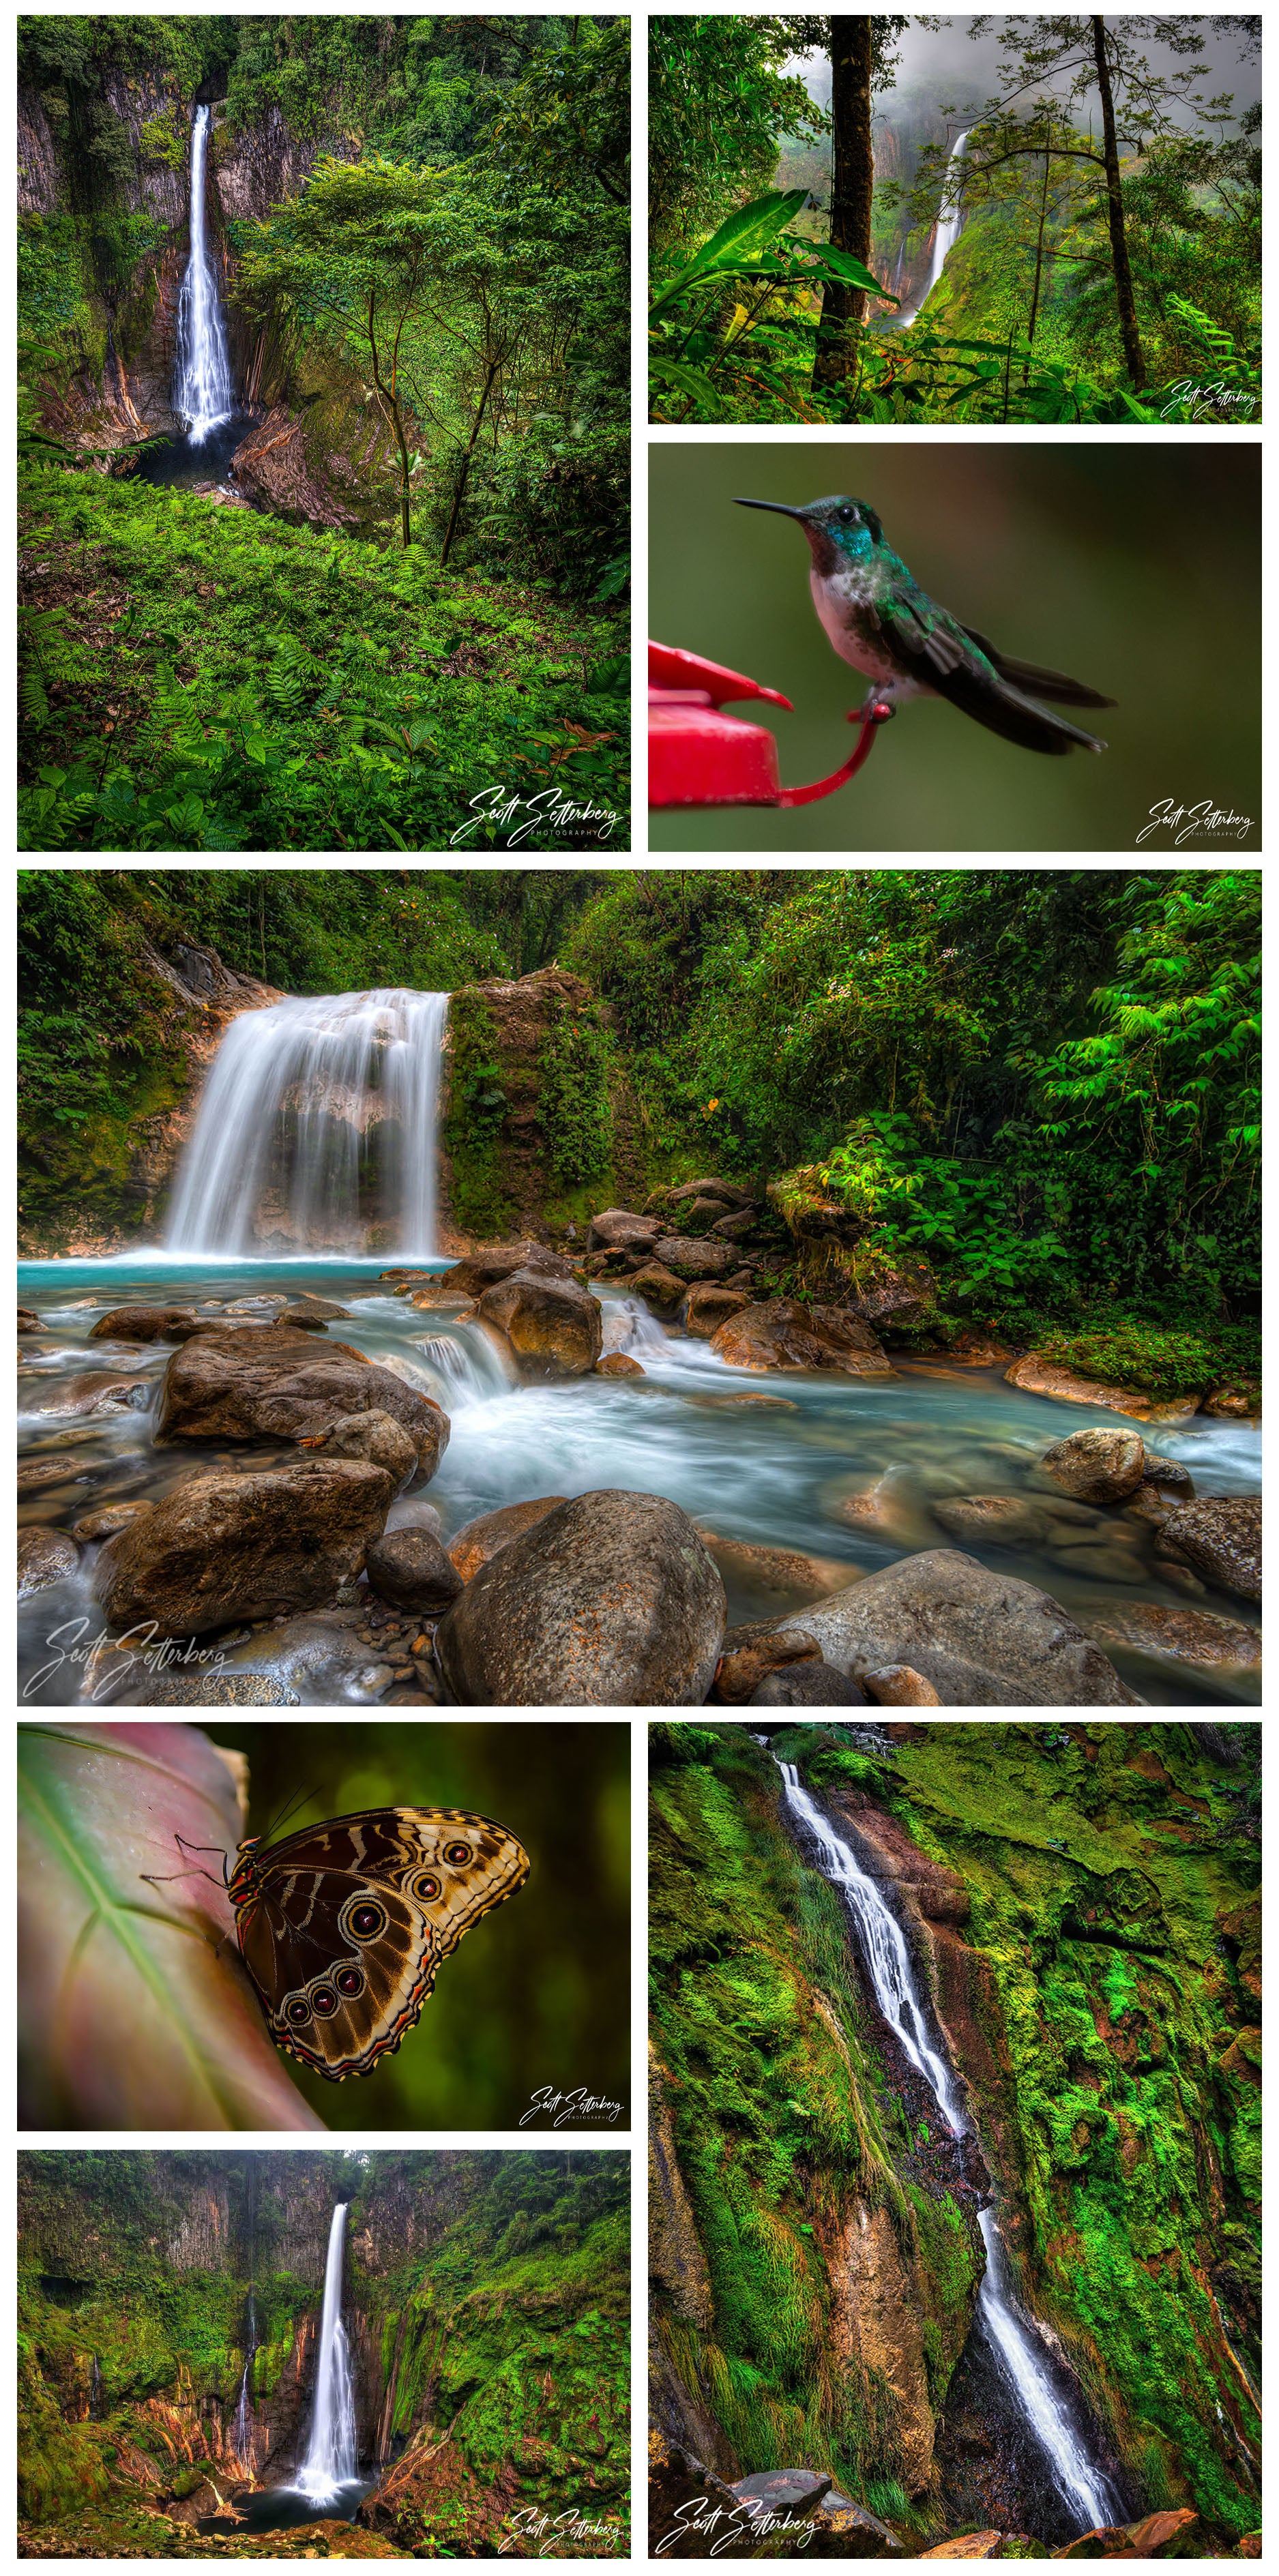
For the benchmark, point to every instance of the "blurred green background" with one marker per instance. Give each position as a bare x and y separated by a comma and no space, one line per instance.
1136,568
538,1992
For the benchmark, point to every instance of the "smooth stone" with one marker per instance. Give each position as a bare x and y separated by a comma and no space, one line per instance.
101,1391
618,1229
1192,1636
1097,1466
268,1383
765,1570
1168,1476
691,1256
315,1310
891,1509
709,1306
1233,1403
971,2544
1098,1564
760,1403
1001,1520
729,1193
659,1287
375,1436
553,1326
783,2490
1220,1537
900,1686
112,1517
489,1532
34,1473
29,1321
45,1556
981,1639
807,1685
1036,1376
146,1324
409,1567
226,1548
483,1269
619,1364
781,1334
750,1653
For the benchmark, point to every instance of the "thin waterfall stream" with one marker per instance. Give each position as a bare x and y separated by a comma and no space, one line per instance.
330,2463
949,228
1022,2358
202,391
244,2411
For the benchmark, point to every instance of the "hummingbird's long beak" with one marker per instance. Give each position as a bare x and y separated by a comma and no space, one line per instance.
782,507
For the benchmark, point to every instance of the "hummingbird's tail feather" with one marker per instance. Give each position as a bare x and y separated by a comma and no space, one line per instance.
1005,711
1053,685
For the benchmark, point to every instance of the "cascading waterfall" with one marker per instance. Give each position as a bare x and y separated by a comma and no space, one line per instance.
202,394
294,1094
949,228
467,1367
243,2424
1020,2355
330,2461
95,2391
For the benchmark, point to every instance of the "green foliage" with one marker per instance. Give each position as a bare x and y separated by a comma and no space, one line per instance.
574,1106
158,140
473,1123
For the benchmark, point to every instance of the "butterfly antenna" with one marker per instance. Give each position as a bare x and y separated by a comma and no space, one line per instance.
301,1798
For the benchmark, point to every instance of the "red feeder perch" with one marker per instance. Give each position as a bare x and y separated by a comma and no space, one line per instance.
696,756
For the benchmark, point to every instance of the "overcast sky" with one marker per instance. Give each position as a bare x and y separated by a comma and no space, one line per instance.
960,66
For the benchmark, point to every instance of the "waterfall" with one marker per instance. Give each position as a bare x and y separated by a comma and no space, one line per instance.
949,228
202,394
330,2459
296,1093
629,1326
1020,2355
95,2391
243,2425
467,1368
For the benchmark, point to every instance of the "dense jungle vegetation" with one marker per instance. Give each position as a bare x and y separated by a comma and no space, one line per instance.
1043,1083
1108,268
420,231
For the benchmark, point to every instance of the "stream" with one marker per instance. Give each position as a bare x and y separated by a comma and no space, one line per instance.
764,1461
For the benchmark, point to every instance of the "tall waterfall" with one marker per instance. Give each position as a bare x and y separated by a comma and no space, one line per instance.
330,2459
202,394
306,1101
949,227
244,2412
1020,2354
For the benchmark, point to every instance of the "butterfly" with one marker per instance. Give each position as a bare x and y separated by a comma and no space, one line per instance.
342,1926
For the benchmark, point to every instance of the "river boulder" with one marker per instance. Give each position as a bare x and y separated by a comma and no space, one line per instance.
1036,1375
619,1364
45,1556
553,1325
409,1568
982,1639
266,1382
783,1335
993,1520
489,1532
611,1601
658,1287
1220,1536
97,1391
479,1270
750,1653
694,1257
224,1548
818,1685
147,1324
376,1436
1097,1466
1189,1636
709,1306
620,1229
730,1194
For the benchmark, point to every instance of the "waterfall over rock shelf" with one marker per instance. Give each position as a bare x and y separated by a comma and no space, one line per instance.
1021,2356
949,228
202,394
244,2411
316,1123
330,2460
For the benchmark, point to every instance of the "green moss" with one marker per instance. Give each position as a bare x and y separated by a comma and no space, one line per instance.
473,1122
574,1104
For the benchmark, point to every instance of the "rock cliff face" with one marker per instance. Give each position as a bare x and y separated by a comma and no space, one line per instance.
1081,1906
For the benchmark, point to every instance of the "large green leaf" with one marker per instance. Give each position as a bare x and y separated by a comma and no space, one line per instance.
841,264
134,2011
738,241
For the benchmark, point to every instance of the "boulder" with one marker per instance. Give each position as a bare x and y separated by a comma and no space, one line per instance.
841,2529
782,2491
618,1228
309,1311
35,1473
982,1639
111,1517
553,1325
1168,1476
146,1324
1220,1536
490,1532
409,1568
1158,2535
783,1335
731,1229
376,1436
970,2544
1097,1466
807,1685
271,1383
619,1364
1191,1636
29,1321
708,1307
1038,1376
611,1600
899,1686
45,1556
659,1287
729,1193
693,1257
971,1349
902,1299
480,1270
776,1571
225,1548
1233,1403
750,1653
99,1391
997,1520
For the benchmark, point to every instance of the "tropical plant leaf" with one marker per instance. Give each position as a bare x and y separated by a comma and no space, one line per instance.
133,2008
741,238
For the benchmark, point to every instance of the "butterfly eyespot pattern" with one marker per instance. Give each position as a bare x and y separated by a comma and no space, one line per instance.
343,1926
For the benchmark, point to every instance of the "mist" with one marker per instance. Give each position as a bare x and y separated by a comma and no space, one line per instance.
964,70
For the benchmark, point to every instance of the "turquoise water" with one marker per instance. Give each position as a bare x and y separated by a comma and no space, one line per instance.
772,1474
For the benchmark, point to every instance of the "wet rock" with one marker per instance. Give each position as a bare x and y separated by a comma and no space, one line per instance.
732,1229
619,1364
375,1436
782,1335
480,1270
35,1473
1097,1564
1220,1537
709,1306
409,1568
250,1546
215,1690
898,1686
775,1571
890,1509
553,1326
1149,1505
1233,1403
490,1532
308,1311
100,1391
146,1324
750,1653
714,1403
29,1321
788,2491
979,1350
619,1228
1157,2536
1180,1577
693,1257
971,2544
659,1288
1000,1520
807,1685
611,1600
110,1518
1191,1636
271,1383
1168,1476
1037,1376
841,2529
45,1556
1097,1466
730,1194
981,1639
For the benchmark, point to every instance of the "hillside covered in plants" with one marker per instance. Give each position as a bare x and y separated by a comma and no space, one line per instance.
169,2310
323,432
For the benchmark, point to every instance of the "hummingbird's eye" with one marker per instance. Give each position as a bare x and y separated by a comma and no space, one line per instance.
847,516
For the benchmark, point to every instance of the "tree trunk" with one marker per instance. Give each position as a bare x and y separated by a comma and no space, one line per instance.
852,187
1039,257
1133,358
460,493
390,403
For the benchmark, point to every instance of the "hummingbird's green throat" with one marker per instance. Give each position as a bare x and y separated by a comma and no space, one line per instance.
908,645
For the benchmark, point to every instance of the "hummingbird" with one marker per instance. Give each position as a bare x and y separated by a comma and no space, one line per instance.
909,646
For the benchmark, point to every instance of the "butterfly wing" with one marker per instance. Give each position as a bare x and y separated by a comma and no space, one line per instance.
351,1920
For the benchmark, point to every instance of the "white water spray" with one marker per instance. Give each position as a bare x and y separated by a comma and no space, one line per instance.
244,2412
294,1094
467,1367
1013,2337
949,227
202,394
330,2461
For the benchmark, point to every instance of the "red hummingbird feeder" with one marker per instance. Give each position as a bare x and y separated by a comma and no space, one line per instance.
697,756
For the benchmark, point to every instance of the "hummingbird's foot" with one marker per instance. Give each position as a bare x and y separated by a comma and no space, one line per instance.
875,708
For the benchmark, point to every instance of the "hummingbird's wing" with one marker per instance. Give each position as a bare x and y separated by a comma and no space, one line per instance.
1032,676
939,654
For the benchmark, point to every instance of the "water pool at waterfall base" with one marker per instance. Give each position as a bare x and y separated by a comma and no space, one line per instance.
183,464
765,1465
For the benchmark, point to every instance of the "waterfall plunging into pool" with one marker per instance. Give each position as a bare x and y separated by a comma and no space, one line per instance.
1020,2355
330,2460
949,227
316,1123
202,394
244,2412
